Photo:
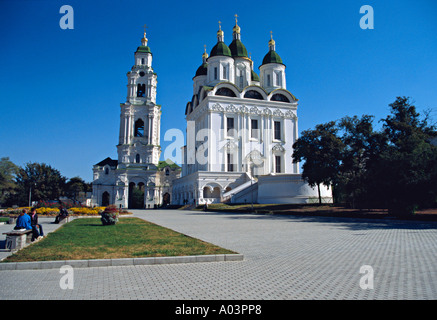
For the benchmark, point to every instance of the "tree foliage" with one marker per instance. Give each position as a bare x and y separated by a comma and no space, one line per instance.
75,185
395,167
320,149
406,172
8,171
41,181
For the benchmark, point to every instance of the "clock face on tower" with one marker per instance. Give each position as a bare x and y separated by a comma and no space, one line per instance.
142,74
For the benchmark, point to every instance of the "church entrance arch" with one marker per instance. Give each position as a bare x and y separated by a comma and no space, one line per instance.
105,199
166,199
136,195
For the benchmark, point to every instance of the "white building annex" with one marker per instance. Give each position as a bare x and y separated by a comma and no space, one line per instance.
137,179
241,127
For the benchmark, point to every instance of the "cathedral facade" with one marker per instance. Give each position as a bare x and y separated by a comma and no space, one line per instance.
137,179
241,127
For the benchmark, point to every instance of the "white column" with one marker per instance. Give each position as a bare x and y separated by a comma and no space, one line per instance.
149,139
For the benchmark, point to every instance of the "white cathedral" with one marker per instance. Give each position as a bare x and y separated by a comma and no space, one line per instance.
241,127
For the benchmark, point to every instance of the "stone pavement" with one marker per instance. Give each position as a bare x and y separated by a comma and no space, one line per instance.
285,257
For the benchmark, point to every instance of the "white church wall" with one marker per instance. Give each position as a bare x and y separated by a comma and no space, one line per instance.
289,188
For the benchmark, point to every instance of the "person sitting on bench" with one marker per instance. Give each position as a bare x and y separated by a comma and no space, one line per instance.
63,213
23,221
35,225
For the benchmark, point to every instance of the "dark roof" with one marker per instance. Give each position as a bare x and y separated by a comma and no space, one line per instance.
143,49
272,57
254,76
168,163
108,161
202,70
220,49
238,49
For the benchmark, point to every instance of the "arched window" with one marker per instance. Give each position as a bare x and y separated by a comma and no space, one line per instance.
167,172
279,97
141,89
252,94
106,170
225,92
139,128
137,158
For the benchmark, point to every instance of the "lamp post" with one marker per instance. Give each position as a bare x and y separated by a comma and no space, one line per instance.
30,193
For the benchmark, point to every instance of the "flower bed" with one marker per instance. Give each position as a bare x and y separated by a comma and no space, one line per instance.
48,211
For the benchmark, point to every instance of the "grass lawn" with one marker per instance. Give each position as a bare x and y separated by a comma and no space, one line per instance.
130,238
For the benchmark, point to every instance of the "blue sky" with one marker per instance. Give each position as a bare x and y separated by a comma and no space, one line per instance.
60,90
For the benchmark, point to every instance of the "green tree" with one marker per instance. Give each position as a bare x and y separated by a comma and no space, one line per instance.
320,150
362,145
40,181
74,186
405,172
8,171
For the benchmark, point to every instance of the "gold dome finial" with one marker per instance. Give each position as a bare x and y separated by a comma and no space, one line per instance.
236,28
271,42
204,55
220,33
144,40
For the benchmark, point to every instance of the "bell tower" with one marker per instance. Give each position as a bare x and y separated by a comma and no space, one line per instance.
140,117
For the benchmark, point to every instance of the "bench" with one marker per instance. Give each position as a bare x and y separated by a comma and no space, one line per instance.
17,239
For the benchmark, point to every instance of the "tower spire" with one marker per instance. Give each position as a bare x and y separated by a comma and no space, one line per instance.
144,40
220,33
204,55
272,44
236,30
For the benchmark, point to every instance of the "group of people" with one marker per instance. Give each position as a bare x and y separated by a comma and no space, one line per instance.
30,222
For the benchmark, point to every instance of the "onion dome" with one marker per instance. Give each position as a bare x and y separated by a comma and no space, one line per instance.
238,49
272,56
220,49
144,48
203,69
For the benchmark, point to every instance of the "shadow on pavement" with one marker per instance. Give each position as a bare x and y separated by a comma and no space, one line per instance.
341,222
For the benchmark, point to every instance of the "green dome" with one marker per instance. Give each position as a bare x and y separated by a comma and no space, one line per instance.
254,76
220,49
272,57
143,49
202,70
238,49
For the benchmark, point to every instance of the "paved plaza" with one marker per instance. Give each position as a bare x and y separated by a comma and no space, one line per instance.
285,257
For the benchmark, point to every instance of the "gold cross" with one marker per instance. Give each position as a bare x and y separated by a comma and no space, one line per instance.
220,25
145,27
204,46
236,20
271,34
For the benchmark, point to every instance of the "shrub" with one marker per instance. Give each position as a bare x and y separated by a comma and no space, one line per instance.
110,215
